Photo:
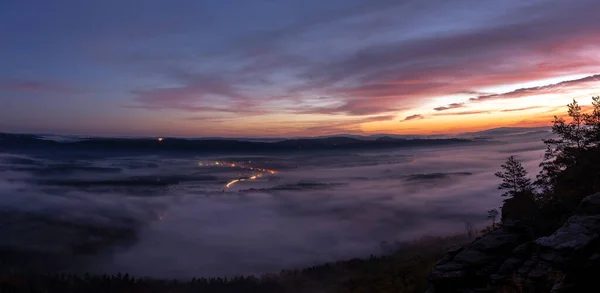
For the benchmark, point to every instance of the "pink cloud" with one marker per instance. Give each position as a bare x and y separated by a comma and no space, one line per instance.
392,76
197,93
387,78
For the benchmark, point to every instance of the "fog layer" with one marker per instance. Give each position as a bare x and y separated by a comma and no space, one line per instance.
174,216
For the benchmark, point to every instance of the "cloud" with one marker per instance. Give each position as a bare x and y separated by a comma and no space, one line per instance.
197,93
413,117
375,57
348,126
384,77
450,106
319,19
474,112
502,38
520,109
560,87
463,61
351,108
34,86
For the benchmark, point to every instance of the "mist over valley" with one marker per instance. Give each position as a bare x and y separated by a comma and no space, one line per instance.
180,214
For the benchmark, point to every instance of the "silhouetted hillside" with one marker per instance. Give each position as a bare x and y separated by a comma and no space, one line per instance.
403,271
23,142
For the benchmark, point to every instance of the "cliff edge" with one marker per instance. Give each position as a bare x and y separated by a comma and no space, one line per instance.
509,260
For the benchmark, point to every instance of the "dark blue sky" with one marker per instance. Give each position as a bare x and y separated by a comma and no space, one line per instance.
283,67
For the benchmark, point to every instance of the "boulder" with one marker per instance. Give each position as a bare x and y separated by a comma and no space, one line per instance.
471,267
566,261
590,205
518,209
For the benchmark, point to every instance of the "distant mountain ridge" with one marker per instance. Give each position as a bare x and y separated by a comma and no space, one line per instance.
507,131
486,132
20,142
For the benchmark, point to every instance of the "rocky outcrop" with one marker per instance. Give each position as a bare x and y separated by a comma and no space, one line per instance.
508,260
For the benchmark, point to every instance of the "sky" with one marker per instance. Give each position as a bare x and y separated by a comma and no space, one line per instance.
272,68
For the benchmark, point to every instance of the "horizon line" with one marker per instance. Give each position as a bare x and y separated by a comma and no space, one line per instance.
273,138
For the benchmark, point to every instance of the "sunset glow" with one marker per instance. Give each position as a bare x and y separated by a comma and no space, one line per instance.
302,146
300,69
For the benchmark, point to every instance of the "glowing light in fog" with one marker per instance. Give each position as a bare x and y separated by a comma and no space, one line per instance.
232,182
241,166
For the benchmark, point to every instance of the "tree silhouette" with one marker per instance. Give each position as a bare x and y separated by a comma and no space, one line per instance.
470,230
592,121
514,178
493,215
572,139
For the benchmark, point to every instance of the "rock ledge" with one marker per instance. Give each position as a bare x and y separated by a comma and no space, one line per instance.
507,259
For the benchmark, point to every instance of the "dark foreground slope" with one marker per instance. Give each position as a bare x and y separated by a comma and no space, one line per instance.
403,271
510,260
549,236
25,142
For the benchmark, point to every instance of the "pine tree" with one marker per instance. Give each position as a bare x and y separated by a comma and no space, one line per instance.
514,178
592,121
572,138
576,128
572,135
